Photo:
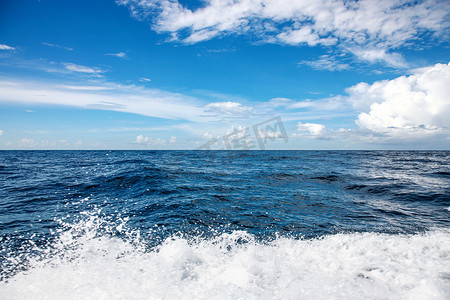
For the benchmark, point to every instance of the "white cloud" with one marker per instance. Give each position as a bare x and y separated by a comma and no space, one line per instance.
126,128
415,103
239,137
278,102
45,65
269,134
336,103
304,35
57,46
380,55
271,107
140,139
35,64
28,143
201,35
6,47
309,129
238,132
143,79
1,132
172,139
122,98
81,69
341,61
363,23
85,87
214,96
326,62
148,141
227,108
408,110
118,54
207,135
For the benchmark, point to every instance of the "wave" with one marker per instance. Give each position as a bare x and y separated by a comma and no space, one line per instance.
94,258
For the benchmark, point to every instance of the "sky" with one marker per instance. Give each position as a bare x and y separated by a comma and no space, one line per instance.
225,74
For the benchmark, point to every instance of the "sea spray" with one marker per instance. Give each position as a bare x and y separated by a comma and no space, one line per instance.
92,259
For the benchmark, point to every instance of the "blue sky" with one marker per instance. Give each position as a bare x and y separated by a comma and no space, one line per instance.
159,74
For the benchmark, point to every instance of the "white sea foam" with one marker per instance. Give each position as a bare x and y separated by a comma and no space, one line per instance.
86,265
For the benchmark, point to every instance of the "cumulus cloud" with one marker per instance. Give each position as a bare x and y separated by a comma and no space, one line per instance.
6,47
28,143
364,25
269,134
416,103
82,69
237,132
407,109
309,129
148,141
140,139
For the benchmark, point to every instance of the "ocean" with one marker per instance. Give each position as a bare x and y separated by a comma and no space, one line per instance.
225,224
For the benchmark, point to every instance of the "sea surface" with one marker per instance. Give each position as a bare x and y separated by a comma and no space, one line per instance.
225,224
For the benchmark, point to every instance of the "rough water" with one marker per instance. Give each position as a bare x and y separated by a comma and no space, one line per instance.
224,224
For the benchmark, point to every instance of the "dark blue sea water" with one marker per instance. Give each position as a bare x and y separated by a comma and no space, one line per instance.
224,224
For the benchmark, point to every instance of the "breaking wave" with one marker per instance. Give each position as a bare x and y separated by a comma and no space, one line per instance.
96,258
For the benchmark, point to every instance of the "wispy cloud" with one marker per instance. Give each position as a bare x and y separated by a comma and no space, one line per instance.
48,66
82,69
374,55
155,128
227,50
227,109
335,103
108,96
118,54
326,62
6,47
85,87
57,46
143,79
